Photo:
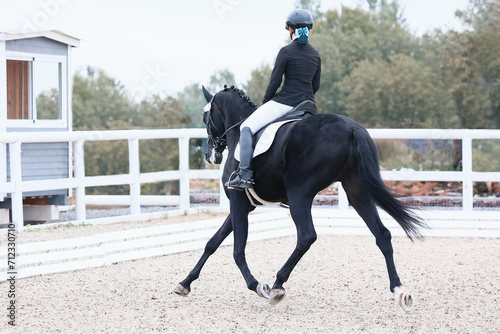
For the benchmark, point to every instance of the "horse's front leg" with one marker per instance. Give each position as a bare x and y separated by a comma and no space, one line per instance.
306,236
184,287
240,232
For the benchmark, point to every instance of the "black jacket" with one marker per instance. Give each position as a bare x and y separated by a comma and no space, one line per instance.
301,65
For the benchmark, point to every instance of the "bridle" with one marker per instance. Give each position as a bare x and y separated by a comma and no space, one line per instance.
220,143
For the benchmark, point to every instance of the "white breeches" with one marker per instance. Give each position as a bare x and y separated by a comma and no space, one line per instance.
264,115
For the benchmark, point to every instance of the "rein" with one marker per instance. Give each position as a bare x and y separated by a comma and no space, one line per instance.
220,143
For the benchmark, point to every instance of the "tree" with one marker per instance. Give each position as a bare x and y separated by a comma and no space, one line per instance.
471,65
372,4
256,86
160,154
192,102
99,101
219,79
402,92
346,39
313,6
157,112
47,104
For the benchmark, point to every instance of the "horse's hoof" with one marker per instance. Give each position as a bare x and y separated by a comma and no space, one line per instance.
264,290
405,300
181,291
277,295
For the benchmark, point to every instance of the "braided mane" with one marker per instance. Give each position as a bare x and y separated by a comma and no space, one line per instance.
241,94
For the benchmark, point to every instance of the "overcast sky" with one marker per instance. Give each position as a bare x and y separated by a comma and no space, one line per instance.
155,46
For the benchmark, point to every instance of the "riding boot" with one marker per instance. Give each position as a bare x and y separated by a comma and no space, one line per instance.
244,175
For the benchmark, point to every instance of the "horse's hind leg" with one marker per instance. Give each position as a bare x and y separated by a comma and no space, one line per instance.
365,207
184,287
300,210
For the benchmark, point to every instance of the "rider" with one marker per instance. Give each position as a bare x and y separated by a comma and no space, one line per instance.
301,64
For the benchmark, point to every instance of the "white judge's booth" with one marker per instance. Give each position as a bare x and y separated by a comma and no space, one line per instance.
35,96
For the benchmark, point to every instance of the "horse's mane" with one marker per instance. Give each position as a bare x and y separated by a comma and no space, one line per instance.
241,94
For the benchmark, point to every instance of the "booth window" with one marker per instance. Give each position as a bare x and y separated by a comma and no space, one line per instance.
34,90
18,89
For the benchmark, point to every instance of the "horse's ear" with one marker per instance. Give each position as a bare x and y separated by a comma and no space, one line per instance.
207,95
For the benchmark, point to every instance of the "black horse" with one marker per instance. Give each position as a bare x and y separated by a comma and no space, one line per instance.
305,158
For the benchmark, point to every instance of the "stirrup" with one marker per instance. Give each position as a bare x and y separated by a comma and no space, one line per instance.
238,183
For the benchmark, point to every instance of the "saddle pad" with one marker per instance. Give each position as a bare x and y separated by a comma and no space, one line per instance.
265,140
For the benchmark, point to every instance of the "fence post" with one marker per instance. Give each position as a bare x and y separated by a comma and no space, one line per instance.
134,170
16,177
467,184
184,172
223,200
80,177
343,200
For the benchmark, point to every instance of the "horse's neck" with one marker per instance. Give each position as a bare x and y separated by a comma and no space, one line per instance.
233,138
235,113
235,117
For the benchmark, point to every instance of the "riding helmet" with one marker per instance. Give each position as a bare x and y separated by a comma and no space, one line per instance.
299,18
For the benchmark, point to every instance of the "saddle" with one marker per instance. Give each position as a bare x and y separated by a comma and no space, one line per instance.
264,138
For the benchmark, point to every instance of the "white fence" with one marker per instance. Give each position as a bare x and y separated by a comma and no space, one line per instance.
16,185
78,181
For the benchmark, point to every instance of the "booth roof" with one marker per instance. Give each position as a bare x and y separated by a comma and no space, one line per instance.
55,35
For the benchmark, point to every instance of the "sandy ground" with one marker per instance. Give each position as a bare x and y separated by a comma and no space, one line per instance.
340,286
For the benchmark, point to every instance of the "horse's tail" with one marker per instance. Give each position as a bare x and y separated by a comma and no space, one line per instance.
365,156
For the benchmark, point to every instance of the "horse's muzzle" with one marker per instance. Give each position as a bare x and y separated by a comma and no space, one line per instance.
213,157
